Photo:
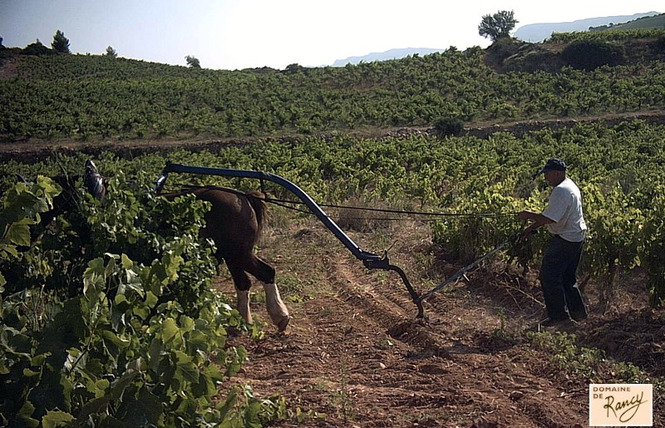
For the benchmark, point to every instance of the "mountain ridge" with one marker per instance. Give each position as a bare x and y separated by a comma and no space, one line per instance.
396,53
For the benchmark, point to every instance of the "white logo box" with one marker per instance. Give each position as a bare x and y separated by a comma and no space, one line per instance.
621,405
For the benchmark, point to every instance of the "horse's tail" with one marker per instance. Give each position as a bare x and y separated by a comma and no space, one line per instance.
258,201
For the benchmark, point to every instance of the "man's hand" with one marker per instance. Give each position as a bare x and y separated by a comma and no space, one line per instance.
526,233
528,215
525,215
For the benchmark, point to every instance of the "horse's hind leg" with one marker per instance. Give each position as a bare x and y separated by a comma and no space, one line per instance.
242,284
276,308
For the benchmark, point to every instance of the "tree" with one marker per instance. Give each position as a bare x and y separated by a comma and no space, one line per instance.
37,48
60,42
192,61
497,26
111,52
294,68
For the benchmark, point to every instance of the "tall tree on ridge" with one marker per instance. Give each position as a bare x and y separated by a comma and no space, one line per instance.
497,26
60,42
192,61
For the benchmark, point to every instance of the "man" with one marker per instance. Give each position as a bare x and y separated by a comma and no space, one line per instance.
564,220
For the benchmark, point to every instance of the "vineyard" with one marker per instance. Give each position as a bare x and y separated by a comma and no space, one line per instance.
93,97
116,313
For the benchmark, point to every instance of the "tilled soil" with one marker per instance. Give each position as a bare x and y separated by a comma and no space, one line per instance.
355,355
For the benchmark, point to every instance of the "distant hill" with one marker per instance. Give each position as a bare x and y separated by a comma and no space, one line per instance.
542,31
387,55
647,22
530,33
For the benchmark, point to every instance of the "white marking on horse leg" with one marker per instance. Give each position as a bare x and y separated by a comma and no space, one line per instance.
277,310
243,305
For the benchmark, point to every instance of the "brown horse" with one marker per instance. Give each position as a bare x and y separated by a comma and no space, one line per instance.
234,223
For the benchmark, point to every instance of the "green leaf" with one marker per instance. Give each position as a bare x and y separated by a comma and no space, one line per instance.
101,386
94,278
120,299
127,263
169,330
187,323
56,418
147,408
29,373
18,233
25,415
113,338
227,405
142,312
154,354
95,406
67,388
186,368
150,299
119,386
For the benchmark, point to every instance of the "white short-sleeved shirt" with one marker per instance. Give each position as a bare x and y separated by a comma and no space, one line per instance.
565,209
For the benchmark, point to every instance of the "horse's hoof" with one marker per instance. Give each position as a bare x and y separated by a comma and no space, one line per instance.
281,325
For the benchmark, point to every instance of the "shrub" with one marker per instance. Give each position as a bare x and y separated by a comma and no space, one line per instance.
448,126
504,48
652,254
591,54
37,48
144,341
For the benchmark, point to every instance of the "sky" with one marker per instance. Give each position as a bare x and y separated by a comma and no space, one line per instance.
238,34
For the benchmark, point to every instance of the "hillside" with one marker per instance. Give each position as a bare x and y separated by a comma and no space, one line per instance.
539,32
94,98
533,33
646,22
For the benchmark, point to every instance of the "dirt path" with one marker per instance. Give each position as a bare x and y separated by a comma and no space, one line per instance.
355,352
34,149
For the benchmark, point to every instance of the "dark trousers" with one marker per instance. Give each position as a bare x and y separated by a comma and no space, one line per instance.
559,281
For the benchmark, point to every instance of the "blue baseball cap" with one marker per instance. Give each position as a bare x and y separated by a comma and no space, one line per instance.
553,164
